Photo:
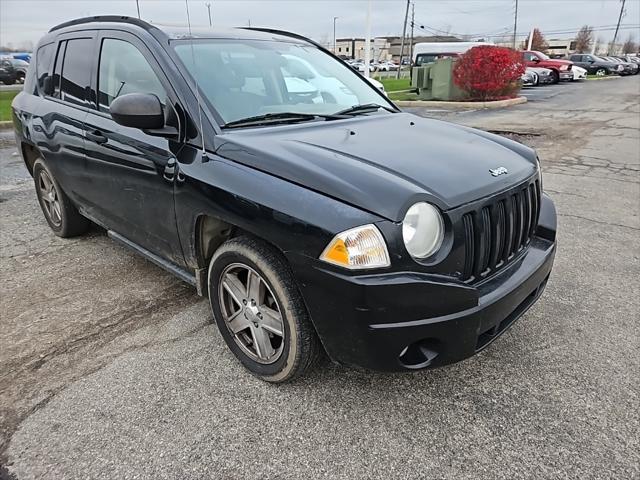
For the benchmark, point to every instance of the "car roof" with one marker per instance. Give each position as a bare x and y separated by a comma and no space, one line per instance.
175,32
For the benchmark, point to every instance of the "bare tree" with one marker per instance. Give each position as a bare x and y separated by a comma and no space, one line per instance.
538,41
584,39
630,46
596,45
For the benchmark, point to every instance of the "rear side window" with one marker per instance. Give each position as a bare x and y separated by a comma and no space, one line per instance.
43,63
123,69
75,82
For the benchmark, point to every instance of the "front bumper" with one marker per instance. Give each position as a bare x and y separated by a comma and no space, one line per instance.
566,75
408,320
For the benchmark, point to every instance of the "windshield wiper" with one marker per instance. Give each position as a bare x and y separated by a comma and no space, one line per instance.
274,118
364,108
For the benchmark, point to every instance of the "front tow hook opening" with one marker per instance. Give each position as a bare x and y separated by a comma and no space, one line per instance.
418,354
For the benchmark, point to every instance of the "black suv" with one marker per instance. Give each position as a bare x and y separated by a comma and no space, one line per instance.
250,164
595,65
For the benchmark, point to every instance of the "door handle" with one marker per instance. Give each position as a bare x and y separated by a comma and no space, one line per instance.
97,136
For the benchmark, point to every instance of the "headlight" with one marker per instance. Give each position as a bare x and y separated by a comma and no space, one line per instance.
358,248
422,230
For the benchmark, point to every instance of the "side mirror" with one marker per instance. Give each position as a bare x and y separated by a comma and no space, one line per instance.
536,59
47,85
138,110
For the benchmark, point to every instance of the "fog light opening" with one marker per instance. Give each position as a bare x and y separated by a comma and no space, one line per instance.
419,354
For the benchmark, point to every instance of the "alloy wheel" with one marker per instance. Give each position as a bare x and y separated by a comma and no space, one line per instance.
50,198
601,72
251,313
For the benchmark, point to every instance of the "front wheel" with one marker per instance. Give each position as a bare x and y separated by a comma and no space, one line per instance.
9,81
556,77
601,72
260,312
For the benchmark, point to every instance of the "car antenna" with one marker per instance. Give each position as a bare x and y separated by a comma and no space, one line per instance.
205,158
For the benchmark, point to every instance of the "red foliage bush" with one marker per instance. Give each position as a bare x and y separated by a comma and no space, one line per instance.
486,72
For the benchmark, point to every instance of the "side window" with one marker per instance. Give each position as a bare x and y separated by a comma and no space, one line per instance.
123,69
57,70
43,64
75,82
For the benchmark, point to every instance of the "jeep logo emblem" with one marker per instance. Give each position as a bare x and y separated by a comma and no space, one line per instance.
498,171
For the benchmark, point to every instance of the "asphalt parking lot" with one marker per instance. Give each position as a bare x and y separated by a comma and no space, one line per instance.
110,368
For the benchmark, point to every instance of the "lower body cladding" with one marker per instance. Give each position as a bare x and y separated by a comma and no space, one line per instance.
410,320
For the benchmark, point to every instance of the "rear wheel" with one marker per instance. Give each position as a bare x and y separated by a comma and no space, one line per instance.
61,215
260,312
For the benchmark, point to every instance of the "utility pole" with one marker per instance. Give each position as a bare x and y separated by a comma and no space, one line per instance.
404,33
515,25
209,10
335,49
413,17
367,43
138,7
615,35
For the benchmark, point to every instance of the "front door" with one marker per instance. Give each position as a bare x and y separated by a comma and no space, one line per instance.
129,174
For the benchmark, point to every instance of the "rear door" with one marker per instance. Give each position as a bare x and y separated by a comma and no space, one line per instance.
129,174
60,133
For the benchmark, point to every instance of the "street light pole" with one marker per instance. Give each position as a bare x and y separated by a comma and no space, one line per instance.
335,51
367,43
209,10
404,33
515,25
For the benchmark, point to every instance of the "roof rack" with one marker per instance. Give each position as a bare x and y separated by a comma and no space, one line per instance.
283,33
103,18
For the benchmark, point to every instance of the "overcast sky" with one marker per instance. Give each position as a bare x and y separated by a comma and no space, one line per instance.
26,20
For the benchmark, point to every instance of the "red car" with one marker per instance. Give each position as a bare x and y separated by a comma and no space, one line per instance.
561,68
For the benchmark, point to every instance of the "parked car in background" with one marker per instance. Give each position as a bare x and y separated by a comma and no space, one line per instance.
529,78
579,73
309,226
561,68
387,66
595,65
8,74
544,76
20,66
629,68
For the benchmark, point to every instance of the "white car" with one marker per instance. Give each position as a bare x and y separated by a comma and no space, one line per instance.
376,84
579,73
387,66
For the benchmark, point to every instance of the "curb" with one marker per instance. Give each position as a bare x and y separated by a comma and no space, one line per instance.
440,103
6,125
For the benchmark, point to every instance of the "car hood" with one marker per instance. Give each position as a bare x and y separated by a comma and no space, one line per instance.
383,163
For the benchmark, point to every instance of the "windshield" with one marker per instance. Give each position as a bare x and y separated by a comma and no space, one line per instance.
248,78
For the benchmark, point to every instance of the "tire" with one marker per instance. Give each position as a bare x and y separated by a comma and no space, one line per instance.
9,81
61,215
601,72
556,77
252,334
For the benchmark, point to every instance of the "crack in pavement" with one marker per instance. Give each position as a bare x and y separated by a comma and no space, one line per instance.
597,221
